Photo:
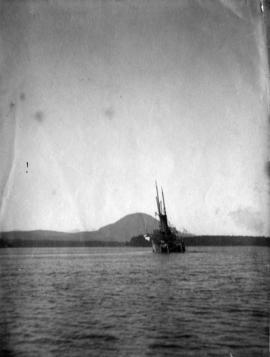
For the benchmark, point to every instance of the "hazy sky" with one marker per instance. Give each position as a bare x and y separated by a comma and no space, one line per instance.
102,98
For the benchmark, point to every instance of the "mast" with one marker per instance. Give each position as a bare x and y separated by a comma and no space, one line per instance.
158,202
158,207
163,224
164,207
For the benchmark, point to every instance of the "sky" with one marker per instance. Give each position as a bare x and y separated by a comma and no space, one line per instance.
98,99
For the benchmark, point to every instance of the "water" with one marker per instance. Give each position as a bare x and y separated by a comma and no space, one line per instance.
211,301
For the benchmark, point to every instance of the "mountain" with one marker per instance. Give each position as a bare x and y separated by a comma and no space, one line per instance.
127,227
121,231
46,236
116,234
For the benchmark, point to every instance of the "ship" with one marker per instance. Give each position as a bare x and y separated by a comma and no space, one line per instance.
166,239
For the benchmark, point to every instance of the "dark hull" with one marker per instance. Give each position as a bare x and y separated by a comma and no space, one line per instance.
167,244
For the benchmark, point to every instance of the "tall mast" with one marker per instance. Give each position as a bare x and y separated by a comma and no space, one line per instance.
158,202
164,207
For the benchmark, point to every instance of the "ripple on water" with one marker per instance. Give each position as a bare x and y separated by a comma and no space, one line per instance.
100,302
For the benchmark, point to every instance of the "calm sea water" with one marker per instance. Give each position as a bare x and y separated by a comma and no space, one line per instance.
211,301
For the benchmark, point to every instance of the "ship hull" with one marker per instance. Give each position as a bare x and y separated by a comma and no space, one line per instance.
163,244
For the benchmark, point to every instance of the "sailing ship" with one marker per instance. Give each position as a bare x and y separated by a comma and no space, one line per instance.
166,239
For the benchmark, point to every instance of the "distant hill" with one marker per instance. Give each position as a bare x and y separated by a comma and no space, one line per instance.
120,231
127,227
44,238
